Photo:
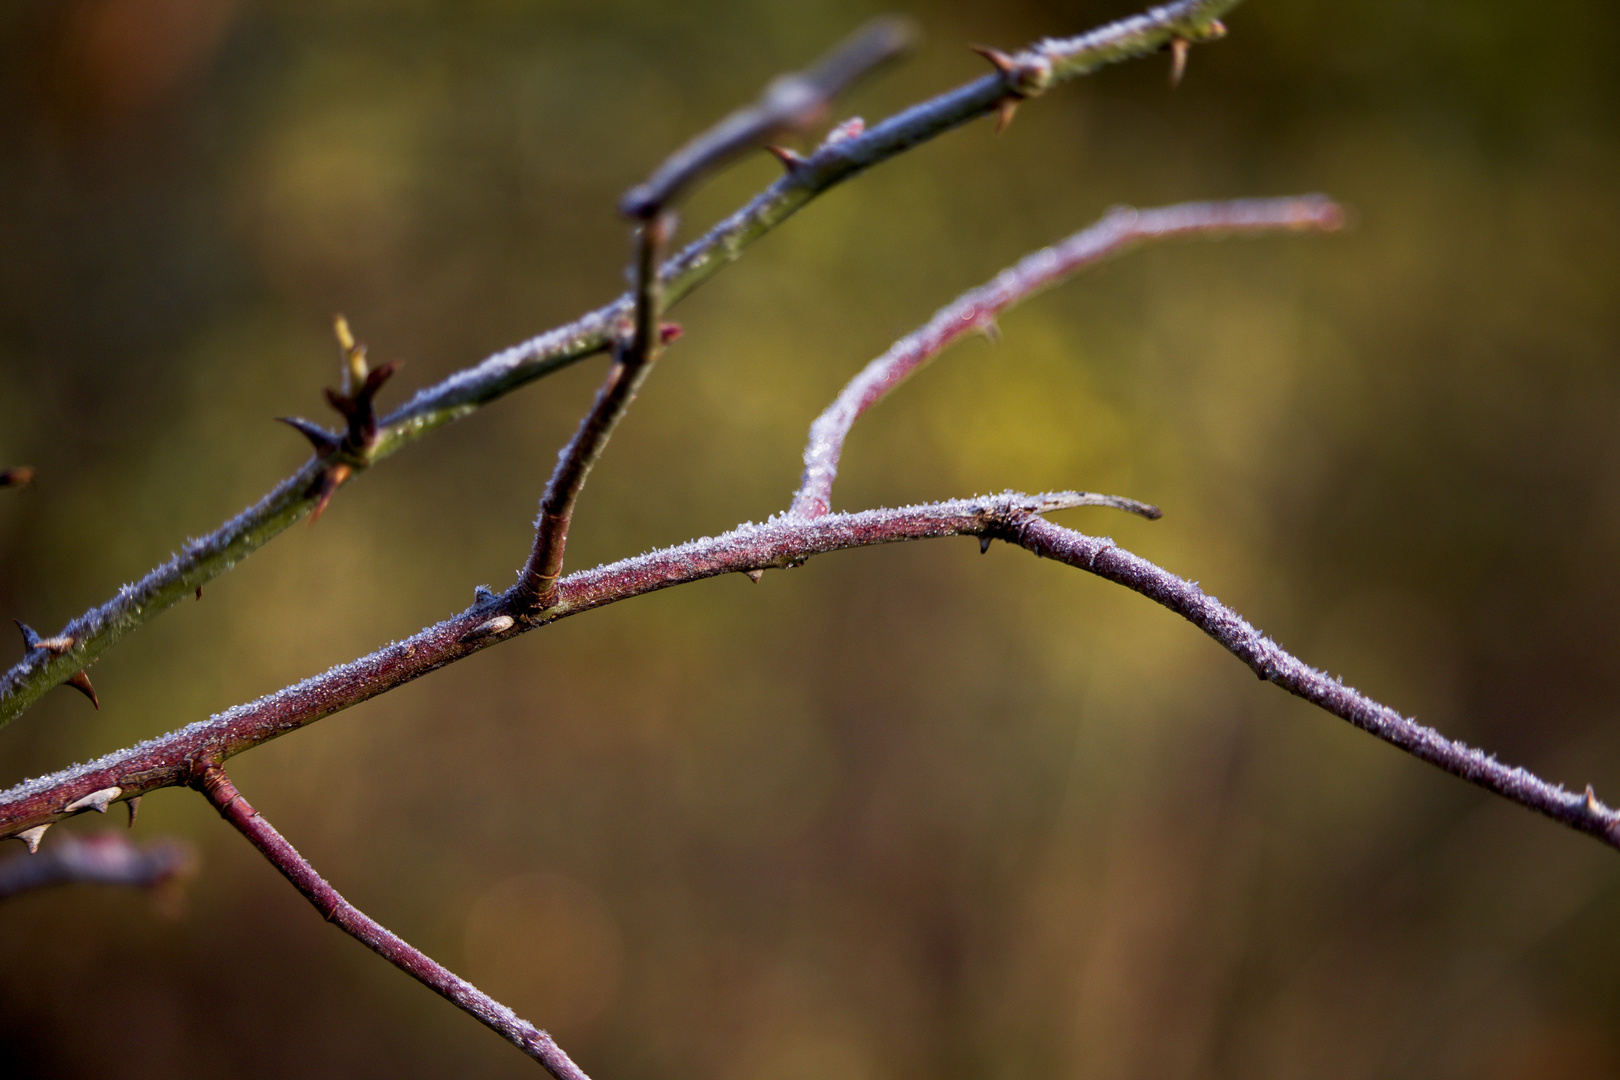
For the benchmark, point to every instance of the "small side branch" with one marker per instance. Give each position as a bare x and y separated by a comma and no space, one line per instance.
976,311
106,858
632,363
219,790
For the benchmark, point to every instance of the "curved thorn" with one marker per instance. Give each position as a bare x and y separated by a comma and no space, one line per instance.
81,683
322,440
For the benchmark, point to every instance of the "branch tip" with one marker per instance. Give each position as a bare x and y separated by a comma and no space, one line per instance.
354,354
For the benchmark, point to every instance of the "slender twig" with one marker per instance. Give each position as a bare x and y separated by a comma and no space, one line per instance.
1580,811
976,311
214,784
200,561
632,363
790,102
106,858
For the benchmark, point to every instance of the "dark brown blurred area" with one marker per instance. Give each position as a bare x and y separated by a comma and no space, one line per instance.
900,813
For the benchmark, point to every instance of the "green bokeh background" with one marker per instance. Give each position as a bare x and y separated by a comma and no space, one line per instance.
905,812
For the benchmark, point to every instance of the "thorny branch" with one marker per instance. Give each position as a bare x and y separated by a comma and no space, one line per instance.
786,541
219,790
848,152
194,756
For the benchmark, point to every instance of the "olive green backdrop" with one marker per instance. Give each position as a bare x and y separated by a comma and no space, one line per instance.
901,813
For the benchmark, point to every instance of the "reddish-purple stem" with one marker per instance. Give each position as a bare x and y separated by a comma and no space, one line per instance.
975,311
174,758
632,362
213,783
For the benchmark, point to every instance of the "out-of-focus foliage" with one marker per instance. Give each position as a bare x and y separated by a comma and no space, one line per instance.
900,813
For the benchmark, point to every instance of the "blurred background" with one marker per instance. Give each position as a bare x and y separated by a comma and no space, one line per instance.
906,812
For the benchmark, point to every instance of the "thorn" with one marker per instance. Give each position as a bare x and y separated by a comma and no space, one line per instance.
30,639
322,440
199,592
1179,47
96,800
754,575
992,331
1002,62
17,476
482,595
790,161
500,624
31,837
134,808
56,646
81,683
1004,113
668,332
377,376
984,543
1593,807
330,480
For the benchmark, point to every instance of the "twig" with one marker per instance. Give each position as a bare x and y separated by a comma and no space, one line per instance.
106,858
1582,812
631,365
214,784
201,560
975,311
790,102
